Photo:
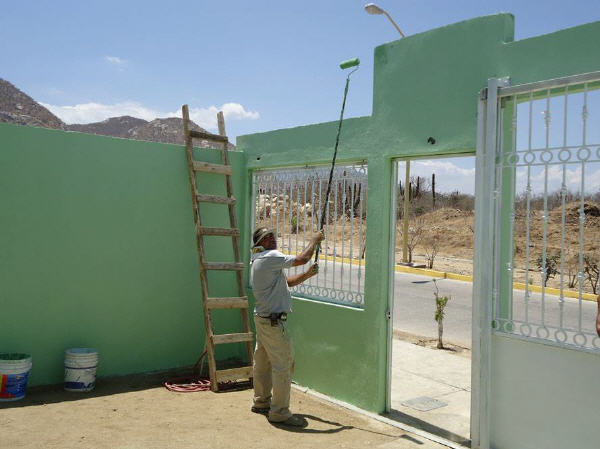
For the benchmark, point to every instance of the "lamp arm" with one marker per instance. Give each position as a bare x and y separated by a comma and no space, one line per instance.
394,23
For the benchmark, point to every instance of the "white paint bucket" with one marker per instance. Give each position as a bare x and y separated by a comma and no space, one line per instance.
80,369
14,372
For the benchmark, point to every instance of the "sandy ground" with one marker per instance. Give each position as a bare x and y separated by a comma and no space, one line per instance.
452,230
133,412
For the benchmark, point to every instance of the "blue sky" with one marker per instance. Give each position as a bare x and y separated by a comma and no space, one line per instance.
274,64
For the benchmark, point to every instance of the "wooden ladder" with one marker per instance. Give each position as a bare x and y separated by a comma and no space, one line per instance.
210,303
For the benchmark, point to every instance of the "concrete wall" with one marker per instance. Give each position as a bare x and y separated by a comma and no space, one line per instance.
342,352
426,85
98,249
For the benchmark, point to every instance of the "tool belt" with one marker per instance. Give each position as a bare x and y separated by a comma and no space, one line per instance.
276,318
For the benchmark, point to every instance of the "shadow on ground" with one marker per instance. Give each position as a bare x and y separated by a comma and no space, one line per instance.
427,427
330,426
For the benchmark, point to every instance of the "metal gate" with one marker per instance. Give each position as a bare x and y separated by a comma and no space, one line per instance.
291,200
537,223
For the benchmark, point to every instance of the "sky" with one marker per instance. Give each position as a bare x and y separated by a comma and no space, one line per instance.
266,64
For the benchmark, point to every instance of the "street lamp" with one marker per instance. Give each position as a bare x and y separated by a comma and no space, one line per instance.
372,8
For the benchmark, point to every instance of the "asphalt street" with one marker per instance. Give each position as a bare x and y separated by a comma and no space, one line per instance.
414,304
414,308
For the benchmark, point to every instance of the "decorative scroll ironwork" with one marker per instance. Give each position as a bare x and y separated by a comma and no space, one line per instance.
548,168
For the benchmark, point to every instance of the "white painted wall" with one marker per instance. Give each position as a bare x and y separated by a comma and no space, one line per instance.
543,397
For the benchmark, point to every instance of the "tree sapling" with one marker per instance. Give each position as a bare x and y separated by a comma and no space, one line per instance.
440,306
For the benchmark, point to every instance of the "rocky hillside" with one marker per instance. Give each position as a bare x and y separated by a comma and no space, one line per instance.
19,108
166,130
114,126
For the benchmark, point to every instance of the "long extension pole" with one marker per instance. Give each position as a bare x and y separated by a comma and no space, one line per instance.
337,140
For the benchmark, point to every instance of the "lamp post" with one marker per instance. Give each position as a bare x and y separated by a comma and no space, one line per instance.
372,8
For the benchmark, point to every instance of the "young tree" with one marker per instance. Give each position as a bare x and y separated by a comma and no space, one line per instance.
551,267
415,233
572,264
431,244
440,313
592,271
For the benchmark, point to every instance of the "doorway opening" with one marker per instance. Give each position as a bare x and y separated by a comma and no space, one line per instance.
430,368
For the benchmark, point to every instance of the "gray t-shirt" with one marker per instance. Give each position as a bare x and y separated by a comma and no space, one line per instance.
269,283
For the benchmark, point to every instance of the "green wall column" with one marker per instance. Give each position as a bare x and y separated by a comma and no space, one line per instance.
506,221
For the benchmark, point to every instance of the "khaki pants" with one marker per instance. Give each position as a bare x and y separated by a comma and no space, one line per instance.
273,368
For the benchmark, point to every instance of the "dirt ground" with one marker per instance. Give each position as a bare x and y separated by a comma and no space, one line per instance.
137,413
451,231
431,343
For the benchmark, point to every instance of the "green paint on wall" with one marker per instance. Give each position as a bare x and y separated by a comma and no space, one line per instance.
100,244
425,85
98,249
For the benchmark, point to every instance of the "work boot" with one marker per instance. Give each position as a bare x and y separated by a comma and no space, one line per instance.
292,421
261,410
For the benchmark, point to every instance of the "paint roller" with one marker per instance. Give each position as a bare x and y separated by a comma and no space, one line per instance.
355,62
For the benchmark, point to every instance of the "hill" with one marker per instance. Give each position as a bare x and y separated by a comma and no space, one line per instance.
19,108
114,126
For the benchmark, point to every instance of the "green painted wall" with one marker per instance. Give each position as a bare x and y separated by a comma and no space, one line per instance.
98,249
425,85
100,245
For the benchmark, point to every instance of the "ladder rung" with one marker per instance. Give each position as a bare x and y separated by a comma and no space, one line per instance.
225,375
232,302
208,136
212,168
224,266
232,338
204,230
215,199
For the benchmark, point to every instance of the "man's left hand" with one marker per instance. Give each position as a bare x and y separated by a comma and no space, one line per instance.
313,270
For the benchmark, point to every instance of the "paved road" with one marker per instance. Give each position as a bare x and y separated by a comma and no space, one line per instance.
414,308
414,304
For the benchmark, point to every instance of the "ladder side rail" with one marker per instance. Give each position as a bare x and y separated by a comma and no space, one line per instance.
200,247
236,245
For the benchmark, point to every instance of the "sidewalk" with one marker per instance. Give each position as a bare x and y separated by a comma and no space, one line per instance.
424,378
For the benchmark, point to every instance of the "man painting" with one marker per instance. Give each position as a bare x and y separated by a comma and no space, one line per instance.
274,355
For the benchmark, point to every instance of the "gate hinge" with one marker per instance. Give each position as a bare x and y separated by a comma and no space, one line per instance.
388,314
483,94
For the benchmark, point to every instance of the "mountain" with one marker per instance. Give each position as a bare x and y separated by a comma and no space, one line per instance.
114,126
20,109
165,130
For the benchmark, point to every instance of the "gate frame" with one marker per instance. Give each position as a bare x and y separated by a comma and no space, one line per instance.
483,251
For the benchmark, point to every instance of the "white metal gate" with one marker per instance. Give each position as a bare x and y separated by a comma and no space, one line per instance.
537,223
291,201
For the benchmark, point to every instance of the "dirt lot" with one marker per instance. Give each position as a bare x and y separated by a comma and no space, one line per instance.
133,412
449,232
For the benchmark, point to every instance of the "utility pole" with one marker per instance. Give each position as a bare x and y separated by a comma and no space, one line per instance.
405,222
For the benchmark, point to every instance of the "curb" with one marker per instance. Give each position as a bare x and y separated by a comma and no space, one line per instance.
517,285
467,278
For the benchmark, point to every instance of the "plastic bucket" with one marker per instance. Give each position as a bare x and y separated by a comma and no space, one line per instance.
80,369
14,372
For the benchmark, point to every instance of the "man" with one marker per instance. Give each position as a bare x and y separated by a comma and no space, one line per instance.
274,354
